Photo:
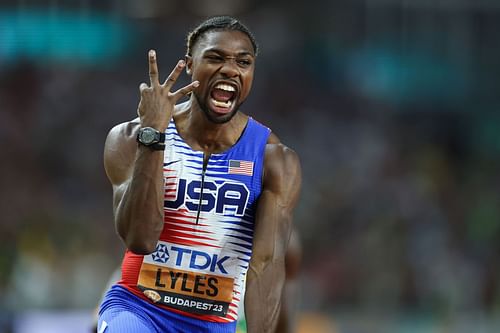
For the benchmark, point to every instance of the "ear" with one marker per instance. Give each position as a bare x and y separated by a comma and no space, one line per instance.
189,63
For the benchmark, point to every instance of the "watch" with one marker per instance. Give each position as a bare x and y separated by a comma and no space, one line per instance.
151,138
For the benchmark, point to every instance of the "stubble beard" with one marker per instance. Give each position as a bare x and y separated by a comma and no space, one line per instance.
209,114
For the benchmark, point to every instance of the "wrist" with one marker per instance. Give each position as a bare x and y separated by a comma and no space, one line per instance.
159,126
153,122
151,138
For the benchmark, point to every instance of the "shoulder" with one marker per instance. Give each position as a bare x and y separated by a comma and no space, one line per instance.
126,130
122,138
119,149
282,170
278,155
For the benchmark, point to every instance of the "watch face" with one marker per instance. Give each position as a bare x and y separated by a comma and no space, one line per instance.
148,136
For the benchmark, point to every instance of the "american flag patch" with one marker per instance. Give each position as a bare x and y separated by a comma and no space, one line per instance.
240,167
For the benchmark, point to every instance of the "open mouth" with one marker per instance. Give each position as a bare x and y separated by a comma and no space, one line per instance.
222,97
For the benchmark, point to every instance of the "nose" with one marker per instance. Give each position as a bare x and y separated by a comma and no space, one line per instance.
230,68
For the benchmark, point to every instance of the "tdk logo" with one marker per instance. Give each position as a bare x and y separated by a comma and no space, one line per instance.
161,253
191,258
218,197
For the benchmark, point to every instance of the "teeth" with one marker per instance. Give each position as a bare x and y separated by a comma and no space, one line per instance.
225,87
222,104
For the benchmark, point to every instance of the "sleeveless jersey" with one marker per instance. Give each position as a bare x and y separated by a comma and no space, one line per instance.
201,259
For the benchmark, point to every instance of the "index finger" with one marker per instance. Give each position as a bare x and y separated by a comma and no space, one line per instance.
153,69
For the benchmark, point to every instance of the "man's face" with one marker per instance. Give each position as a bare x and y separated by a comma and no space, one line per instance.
223,62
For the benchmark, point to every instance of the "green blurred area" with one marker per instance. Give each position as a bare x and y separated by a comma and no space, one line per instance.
48,35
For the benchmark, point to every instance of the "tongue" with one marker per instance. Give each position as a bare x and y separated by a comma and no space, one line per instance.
222,95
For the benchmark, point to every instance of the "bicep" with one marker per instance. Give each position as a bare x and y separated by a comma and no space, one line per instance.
282,182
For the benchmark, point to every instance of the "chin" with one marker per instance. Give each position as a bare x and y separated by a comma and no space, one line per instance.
218,118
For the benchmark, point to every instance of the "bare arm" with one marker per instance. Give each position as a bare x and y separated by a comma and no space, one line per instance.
136,171
293,258
273,224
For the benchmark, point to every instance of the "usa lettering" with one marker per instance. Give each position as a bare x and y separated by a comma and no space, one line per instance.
218,197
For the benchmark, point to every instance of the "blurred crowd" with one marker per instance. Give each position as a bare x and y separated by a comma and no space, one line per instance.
391,105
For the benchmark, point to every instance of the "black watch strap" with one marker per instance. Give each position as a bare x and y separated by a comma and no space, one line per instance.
162,138
158,146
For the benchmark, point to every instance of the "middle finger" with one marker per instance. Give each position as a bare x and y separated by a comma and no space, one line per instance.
174,75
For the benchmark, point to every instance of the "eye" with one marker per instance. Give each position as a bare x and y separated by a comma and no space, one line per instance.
244,62
214,58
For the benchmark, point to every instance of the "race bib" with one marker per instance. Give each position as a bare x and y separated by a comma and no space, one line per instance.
194,281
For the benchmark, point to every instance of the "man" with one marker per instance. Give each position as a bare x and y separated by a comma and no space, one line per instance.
203,197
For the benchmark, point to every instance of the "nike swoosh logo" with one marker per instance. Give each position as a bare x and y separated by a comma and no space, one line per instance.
103,326
170,163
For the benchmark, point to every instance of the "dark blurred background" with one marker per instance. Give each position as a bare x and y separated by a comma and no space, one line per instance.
392,106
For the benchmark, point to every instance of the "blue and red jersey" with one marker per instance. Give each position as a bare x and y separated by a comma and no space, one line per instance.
201,259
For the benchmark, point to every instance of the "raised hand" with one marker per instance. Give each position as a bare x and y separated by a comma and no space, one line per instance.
157,102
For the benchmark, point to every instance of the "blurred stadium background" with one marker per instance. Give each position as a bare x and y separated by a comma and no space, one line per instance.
391,104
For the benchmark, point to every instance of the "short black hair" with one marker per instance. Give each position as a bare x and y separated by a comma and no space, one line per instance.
218,23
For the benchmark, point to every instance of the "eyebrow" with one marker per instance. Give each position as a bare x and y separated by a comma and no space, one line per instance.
221,52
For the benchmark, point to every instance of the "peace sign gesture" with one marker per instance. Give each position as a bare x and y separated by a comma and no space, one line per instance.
157,102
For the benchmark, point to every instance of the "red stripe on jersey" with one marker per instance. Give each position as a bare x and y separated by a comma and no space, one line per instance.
176,233
173,226
183,241
168,219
